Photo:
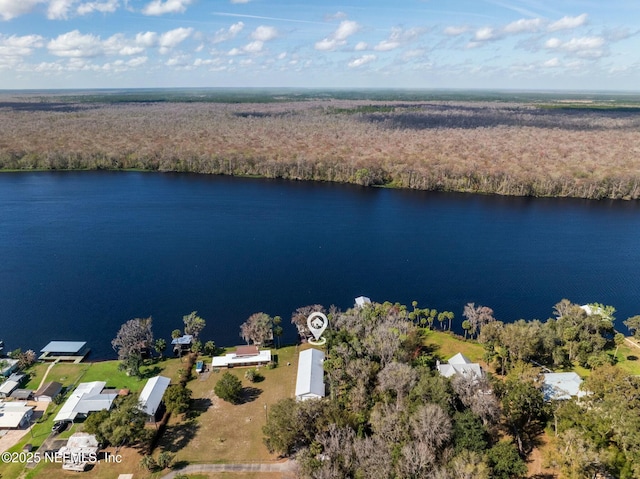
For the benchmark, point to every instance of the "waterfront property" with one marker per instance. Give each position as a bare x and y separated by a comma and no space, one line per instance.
243,356
74,351
561,386
362,301
459,364
8,366
151,395
15,414
182,345
310,379
48,391
87,398
12,383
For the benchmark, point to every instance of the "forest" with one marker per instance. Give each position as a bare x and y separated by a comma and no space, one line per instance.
532,145
390,414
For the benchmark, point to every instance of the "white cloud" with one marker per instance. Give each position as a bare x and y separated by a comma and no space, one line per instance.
173,38
553,63
160,7
530,25
363,60
282,56
592,47
361,46
264,33
225,34
454,31
59,9
13,8
137,61
240,1
147,39
568,23
484,34
75,44
397,38
118,45
339,37
15,46
254,47
108,6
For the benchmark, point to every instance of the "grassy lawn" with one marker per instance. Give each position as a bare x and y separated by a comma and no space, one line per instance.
628,359
448,345
222,432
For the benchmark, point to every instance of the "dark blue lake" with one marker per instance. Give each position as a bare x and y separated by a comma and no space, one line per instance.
83,252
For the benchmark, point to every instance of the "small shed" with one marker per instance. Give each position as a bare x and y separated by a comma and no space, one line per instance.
151,395
310,379
64,351
48,391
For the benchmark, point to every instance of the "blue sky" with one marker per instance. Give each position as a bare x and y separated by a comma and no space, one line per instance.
493,44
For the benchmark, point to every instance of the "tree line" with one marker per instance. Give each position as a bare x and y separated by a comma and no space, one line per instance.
390,414
501,148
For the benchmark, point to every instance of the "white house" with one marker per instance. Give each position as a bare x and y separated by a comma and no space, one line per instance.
86,398
362,301
151,395
310,380
459,364
560,386
243,356
14,414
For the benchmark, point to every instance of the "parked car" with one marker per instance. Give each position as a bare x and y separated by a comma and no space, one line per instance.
59,426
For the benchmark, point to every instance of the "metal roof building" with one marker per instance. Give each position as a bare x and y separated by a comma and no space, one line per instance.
14,414
85,399
151,395
310,380
561,386
460,364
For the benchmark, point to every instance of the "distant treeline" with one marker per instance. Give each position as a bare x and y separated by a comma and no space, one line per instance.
521,149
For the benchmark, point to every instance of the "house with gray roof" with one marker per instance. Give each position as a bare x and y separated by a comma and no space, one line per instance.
87,398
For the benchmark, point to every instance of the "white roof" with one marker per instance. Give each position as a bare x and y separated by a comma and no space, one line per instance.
231,359
459,359
460,364
12,413
362,300
8,386
561,386
152,393
85,399
310,380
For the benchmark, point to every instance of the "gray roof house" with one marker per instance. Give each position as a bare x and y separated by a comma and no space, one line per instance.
86,398
48,391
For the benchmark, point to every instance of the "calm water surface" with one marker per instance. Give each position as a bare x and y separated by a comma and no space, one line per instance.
84,252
